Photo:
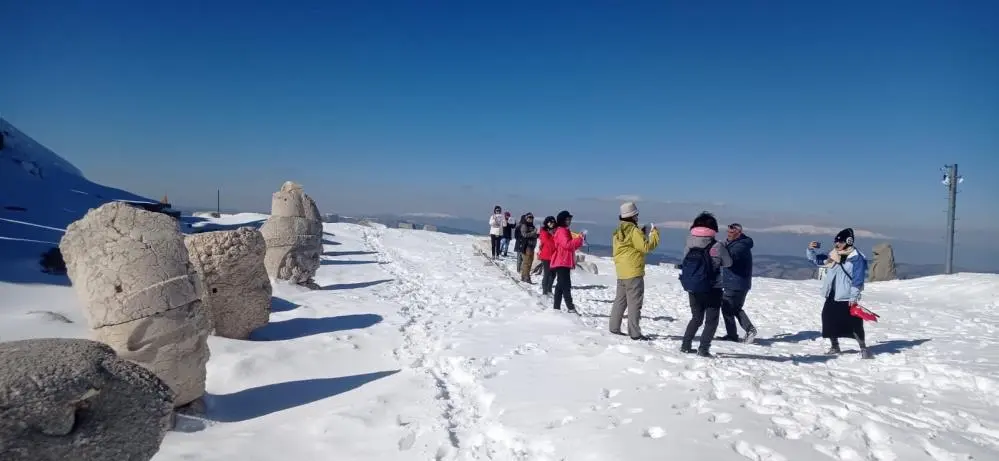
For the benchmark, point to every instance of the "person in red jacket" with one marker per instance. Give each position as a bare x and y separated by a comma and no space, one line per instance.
547,238
564,260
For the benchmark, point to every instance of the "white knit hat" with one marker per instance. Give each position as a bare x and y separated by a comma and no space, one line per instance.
628,210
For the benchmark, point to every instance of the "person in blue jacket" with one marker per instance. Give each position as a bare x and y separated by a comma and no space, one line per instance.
736,282
841,287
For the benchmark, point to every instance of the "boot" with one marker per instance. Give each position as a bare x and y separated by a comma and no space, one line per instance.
865,353
704,353
834,347
686,349
750,336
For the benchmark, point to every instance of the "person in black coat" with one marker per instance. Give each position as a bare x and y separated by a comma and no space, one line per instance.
736,282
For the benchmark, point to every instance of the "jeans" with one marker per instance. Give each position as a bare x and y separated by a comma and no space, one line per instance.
732,302
705,308
563,288
547,277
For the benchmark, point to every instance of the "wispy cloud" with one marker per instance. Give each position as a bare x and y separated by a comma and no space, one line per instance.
628,198
800,229
430,215
808,229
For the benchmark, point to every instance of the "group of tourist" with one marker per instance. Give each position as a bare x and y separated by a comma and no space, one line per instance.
556,250
716,274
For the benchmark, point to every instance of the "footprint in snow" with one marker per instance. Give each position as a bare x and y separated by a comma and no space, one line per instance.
720,418
878,442
786,428
611,393
562,422
655,432
756,452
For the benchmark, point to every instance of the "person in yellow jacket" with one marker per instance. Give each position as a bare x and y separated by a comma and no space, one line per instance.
629,247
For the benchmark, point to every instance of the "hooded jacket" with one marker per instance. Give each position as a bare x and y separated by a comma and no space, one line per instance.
547,248
739,277
844,280
629,247
565,248
700,237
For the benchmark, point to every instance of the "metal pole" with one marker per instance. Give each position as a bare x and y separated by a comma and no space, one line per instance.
218,201
951,216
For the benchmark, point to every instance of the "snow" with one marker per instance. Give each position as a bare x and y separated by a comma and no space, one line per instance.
417,348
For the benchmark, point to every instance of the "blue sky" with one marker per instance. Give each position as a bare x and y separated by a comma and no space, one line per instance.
844,112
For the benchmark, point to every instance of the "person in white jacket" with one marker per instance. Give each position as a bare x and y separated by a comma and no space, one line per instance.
496,223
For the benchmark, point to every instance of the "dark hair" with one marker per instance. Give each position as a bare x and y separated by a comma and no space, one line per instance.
633,219
705,219
562,218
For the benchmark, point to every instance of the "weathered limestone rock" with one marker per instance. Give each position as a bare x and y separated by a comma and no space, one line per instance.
237,290
130,269
74,399
294,236
883,267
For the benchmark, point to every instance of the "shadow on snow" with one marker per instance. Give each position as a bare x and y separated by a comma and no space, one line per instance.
282,305
271,398
351,286
302,327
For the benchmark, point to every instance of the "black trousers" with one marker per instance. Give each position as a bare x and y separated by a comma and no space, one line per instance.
547,277
496,240
563,287
705,308
731,309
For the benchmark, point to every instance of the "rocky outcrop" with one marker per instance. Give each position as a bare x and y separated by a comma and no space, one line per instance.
237,292
140,293
294,236
74,399
883,267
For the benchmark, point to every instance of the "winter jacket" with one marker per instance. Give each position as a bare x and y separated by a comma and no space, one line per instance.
739,277
529,235
547,245
699,238
565,248
629,247
508,228
845,279
496,223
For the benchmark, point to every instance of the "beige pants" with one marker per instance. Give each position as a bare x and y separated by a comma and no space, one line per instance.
630,297
525,267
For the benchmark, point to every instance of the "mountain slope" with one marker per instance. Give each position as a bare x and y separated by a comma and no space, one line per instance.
416,348
40,194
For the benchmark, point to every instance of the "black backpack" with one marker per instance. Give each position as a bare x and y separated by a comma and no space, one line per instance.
697,274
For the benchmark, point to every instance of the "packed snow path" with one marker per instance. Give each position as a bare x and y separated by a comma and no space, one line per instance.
418,349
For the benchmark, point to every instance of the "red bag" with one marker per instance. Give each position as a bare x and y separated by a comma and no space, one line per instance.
862,312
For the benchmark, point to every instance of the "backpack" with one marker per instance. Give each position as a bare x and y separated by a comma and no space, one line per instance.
696,272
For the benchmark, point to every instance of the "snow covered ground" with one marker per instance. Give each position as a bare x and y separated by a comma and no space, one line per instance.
418,349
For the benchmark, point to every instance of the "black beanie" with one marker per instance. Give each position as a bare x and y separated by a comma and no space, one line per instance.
845,236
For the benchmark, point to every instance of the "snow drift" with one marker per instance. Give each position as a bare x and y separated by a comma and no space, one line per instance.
416,348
